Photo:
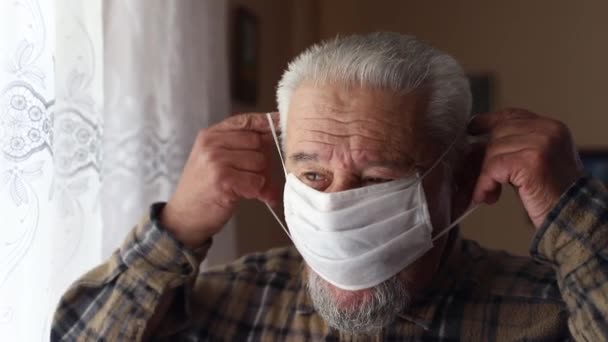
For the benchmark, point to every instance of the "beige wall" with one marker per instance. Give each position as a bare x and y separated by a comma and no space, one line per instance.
549,56
286,27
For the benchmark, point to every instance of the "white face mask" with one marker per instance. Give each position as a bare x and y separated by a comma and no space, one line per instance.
358,238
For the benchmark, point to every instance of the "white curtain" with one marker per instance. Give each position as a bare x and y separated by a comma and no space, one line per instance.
99,104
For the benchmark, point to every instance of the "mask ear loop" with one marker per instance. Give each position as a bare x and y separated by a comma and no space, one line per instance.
445,153
456,222
440,159
276,141
471,209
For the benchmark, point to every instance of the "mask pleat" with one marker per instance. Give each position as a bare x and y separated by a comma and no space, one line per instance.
358,238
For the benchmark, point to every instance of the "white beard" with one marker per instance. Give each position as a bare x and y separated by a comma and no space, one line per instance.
366,314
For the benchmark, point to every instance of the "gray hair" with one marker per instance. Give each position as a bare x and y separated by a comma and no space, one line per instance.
374,312
390,61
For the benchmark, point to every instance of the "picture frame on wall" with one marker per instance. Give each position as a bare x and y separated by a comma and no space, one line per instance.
595,162
244,67
482,91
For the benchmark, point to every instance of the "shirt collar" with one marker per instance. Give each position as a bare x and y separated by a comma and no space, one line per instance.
304,304
452,276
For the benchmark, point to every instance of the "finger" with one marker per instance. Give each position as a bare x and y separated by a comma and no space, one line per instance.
242,184
487,190
267,140
514,143
496,170
256,122
541,127
271,192
242,140
546,130
487,122
236,140
275,116
253,161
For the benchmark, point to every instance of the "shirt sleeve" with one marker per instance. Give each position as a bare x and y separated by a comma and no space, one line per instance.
115,301
574,240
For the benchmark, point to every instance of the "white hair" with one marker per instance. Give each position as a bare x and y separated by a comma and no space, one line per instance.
368,316
391,61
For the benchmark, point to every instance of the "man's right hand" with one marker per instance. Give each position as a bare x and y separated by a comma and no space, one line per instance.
228,161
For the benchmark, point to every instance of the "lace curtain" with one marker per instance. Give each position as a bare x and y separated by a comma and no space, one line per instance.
99,104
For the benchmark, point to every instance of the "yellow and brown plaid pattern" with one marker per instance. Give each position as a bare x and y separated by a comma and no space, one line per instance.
478,295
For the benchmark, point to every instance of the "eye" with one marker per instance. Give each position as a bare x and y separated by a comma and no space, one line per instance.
313,176
315,180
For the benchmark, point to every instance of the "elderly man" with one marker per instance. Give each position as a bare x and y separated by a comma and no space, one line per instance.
381,161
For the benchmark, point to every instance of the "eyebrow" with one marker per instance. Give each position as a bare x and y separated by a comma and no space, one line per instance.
302,157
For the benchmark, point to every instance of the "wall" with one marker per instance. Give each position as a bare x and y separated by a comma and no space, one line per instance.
548,56
286,27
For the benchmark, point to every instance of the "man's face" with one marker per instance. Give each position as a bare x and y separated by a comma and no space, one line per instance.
340,138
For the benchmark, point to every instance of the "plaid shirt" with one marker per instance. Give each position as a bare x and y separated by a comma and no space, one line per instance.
478,295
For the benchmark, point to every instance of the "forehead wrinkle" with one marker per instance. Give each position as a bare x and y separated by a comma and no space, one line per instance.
343,102
361,158
365,126
376,126
338,121
351,135
392,153
348,142
393,143
382,158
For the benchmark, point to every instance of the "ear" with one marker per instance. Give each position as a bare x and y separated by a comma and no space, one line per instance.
466,173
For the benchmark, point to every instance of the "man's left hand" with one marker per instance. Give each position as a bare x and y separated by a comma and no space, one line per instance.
534,154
